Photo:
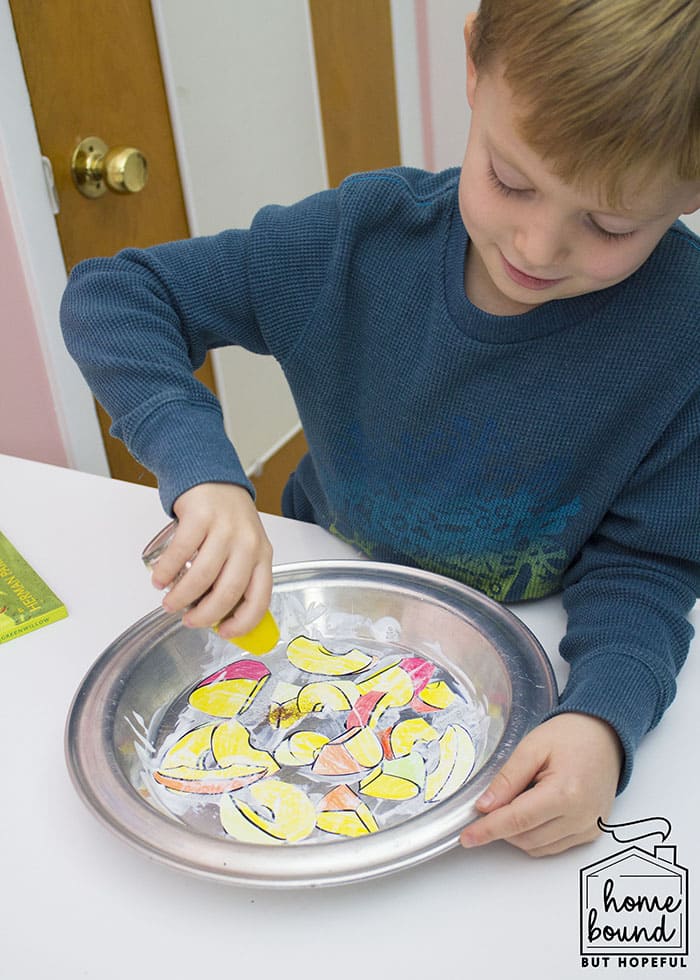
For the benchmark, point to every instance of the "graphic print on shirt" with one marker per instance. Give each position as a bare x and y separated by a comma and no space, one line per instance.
478,513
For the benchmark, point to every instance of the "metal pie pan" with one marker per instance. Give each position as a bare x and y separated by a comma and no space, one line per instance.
125,696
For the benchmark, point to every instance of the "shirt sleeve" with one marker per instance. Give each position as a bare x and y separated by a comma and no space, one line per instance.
629,593
139,324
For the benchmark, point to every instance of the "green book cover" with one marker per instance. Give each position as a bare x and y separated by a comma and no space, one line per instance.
26,601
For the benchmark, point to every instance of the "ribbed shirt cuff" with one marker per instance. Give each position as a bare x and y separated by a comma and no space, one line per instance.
620,691
190,448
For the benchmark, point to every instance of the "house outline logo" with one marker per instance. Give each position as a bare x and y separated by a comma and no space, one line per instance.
634,903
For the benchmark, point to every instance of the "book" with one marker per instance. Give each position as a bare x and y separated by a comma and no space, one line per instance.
26,601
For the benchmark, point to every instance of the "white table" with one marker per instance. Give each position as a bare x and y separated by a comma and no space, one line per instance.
78,902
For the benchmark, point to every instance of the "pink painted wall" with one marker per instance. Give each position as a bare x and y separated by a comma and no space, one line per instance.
28,423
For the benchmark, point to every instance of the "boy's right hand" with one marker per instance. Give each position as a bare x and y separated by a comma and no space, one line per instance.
232,571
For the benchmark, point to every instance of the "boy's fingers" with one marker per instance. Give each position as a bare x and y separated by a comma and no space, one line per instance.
175,557
252,607
512,779
199,577
557,846
230,584
529,811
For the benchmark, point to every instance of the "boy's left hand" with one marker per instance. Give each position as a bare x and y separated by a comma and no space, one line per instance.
549,794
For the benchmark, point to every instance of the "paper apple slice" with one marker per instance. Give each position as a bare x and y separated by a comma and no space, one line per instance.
231,690
396,779
437,694
311,656
292,814
300,748
186,766
209,782
457,755
343,813
394,681
371,682
348,754
406,733
385,738
419,670
230,743
339,695
191,749
367,710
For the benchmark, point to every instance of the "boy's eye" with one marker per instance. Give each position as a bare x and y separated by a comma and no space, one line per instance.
610,236
504,189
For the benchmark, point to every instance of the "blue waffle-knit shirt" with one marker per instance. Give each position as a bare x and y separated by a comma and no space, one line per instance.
554,450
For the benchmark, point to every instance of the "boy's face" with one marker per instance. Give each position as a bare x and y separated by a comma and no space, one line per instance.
534,238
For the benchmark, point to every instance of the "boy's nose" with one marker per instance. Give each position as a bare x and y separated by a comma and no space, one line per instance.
542,246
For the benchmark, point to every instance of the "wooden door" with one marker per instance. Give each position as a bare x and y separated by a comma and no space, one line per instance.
93,69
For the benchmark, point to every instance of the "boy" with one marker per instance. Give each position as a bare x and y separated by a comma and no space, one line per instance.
496,370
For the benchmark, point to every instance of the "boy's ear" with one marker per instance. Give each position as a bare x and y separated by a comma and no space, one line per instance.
694,204
471,69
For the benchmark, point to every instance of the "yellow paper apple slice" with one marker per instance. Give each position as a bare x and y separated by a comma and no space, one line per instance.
184,767
230,743
311,656
391,679
292,814
437,694
231,690
457,755
406,733
191,748
343,813
396,779
300,748
339,695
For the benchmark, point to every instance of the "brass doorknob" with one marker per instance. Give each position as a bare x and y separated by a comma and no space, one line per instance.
97,168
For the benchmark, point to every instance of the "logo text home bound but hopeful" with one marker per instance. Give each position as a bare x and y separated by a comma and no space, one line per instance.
634,903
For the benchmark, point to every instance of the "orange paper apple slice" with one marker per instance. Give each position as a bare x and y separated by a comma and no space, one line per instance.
343,813
348,754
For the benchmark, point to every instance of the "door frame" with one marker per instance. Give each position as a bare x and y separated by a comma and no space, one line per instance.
24,184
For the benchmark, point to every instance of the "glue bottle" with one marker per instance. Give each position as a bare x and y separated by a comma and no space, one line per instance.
261,639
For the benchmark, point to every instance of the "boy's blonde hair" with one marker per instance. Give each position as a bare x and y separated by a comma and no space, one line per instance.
608,88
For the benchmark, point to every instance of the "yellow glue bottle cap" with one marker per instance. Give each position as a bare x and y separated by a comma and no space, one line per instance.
261,639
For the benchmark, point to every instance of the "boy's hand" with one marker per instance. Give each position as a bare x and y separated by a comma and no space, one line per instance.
233,565
549,794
